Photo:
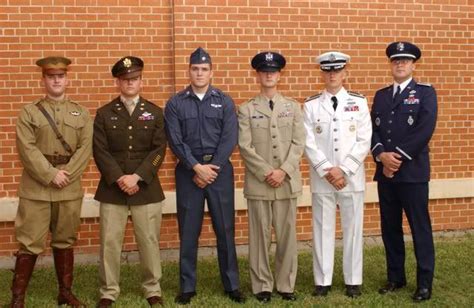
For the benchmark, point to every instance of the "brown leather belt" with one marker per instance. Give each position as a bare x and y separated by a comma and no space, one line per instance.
57,159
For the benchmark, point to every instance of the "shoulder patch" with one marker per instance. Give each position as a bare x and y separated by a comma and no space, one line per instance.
424,84
355,94
312,97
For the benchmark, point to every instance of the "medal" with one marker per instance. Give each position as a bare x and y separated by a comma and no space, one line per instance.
319,129
377,121
352,128
410,120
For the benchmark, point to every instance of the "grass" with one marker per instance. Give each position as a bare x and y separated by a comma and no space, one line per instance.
453,283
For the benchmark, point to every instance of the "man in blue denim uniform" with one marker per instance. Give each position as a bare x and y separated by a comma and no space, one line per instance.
202,129
403,121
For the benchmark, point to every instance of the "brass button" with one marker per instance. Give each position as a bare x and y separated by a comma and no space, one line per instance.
130,137
130,127
130,147
389,140
114,126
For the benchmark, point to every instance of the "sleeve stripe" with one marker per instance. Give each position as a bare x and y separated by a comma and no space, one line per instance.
320,164
354,159
376,145
403,152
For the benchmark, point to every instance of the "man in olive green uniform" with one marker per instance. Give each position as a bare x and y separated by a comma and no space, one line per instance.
271,140
129,147
54,138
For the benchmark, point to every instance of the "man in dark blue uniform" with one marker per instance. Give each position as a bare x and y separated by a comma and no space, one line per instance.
403,121
202,128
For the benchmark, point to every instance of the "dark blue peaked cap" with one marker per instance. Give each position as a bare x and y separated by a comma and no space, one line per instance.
403,50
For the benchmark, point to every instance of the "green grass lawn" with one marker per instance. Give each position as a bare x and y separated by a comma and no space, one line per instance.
453,283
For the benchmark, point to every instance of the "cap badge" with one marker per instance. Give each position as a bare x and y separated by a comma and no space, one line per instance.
332,57
269,57
127,62
400,46
203,59
410,120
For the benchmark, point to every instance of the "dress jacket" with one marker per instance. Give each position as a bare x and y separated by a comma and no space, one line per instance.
271,139
405,126
337,138
127,144
35,138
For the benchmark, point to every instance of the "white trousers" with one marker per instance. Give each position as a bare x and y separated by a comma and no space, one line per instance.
351,205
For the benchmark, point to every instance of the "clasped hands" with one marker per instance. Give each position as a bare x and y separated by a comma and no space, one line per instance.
391,162
128,183
335,177
61,179
275,177
205,174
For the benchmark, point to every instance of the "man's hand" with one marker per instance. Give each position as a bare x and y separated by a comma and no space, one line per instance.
128,183
275,177
390,160
207,173
61,179
388,173
199,182
339,184
333,174
133,190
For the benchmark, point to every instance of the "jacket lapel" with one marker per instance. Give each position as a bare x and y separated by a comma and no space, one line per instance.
261,105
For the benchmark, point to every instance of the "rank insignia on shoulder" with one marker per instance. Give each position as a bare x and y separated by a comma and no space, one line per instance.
312,97
75,113
356,94
424,84
113,118
146,116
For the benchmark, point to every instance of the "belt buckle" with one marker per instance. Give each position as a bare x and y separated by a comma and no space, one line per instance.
207,158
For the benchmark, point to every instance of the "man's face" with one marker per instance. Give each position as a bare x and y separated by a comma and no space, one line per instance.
333,80
129,87
268,79
200,75
55,82
402,69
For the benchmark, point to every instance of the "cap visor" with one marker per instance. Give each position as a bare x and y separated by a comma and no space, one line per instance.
130,75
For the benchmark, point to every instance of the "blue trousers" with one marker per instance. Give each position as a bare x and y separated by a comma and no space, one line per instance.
412,198
190,208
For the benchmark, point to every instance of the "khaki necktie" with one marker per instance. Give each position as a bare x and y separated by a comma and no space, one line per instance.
130,105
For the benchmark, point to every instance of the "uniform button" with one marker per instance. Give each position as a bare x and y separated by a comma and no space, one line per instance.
389,121
274,146
336,150
114,126
146,127
130,147
273,126
58,109
335,129
389,131
334,119
393,112
389,140
55,152
130,137
274,136
275,157
57,122
130,127
335,139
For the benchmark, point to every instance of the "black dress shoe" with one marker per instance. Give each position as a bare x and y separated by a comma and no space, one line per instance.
391,287
184,298
287,296
105,303
421,294
155,301
321,290
264,296
353,291
236,296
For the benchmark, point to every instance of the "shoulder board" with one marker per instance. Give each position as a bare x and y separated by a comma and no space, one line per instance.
355,94
312,97
424,84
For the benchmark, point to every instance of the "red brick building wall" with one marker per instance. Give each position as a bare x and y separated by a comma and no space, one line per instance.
95,34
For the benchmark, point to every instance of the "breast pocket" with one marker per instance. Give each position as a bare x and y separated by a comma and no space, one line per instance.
214,119
409,114
117,135
321,126
144,134
349,124
285,129
73,126
259,130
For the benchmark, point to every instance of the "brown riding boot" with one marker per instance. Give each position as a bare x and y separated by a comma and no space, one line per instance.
23,268
64,264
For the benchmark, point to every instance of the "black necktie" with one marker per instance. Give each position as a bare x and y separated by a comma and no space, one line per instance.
270,103
334,102
397,94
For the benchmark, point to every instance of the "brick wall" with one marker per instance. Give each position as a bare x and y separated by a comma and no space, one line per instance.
164,32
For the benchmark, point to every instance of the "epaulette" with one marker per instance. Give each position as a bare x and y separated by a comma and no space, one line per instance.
355,94
312,97
424,84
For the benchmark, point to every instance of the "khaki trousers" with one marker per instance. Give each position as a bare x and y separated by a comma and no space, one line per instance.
146,226
281,214
35,218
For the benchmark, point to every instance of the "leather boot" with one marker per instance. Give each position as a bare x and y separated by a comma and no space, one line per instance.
64,264
23,268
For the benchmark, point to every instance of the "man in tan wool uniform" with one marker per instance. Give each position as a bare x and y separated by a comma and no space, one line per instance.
54,141
271,141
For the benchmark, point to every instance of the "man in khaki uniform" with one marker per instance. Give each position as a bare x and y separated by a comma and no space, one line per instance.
50,192
129,147
271,140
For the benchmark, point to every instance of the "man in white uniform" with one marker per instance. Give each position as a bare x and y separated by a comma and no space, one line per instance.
338,134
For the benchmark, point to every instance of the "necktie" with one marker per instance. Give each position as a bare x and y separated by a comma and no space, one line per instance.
397,94
334,102
130,106
270,103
